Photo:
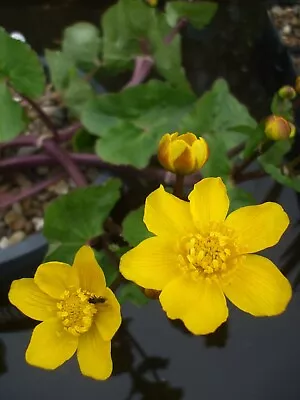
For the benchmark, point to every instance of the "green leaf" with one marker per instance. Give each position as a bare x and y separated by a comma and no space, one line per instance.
11,121
256,136
124,25
275,153
131,292
61,67
167,56
84,142
278,175
272,163
134,229
131,123
81,43
77,94
238,197
73,219
21,66
110,271
282,107
219,112
198,14
218,163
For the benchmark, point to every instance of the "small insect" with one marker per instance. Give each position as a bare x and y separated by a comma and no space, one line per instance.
97,300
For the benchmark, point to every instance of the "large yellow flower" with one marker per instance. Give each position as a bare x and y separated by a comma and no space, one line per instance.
65,299
199,256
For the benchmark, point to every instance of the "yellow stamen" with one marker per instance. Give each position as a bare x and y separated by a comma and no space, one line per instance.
76,312
207,254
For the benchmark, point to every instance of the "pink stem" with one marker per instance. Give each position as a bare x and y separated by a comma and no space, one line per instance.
181,23
31,140
63,158
143,65
8,200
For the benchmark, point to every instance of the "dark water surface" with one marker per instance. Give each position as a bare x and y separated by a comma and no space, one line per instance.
248,358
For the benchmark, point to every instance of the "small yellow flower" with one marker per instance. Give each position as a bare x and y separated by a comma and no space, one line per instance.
182,154
287,92
278,128
199,256
78,312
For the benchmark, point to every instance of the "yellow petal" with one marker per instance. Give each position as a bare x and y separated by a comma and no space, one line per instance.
166,215
258,227
50,345
258,287
201,152
185,161
27,297
200,304
189,138
94,355
209,202
91,276
152,264
55,277
108,319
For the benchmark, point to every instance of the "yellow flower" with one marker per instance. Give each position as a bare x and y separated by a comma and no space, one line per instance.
278,128
184,154
65,299
199,256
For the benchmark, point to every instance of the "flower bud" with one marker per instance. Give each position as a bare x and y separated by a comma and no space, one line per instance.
182,154
152,3
297,84
278,128
287,92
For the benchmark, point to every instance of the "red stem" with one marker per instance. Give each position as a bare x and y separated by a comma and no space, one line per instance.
143,65
31,140
181,23
62,156
8,200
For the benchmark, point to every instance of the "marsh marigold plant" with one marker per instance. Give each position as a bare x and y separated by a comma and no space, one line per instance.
65,299
199,255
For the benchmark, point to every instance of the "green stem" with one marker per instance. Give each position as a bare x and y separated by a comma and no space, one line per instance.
238,169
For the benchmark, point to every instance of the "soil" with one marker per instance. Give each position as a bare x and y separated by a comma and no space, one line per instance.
287,22
25,217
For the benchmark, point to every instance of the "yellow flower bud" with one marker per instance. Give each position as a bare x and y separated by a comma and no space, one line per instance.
297,84
182,154
152,3
287,92
278,128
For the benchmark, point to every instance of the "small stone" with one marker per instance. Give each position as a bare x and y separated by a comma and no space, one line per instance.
23,181
28,227
17,208
11,217
16,237
26,204
19,224
38,223
277,11
42,170
59,188
286,30
4,242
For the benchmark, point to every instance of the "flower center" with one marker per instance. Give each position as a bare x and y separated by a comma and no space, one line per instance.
76,312
207,254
